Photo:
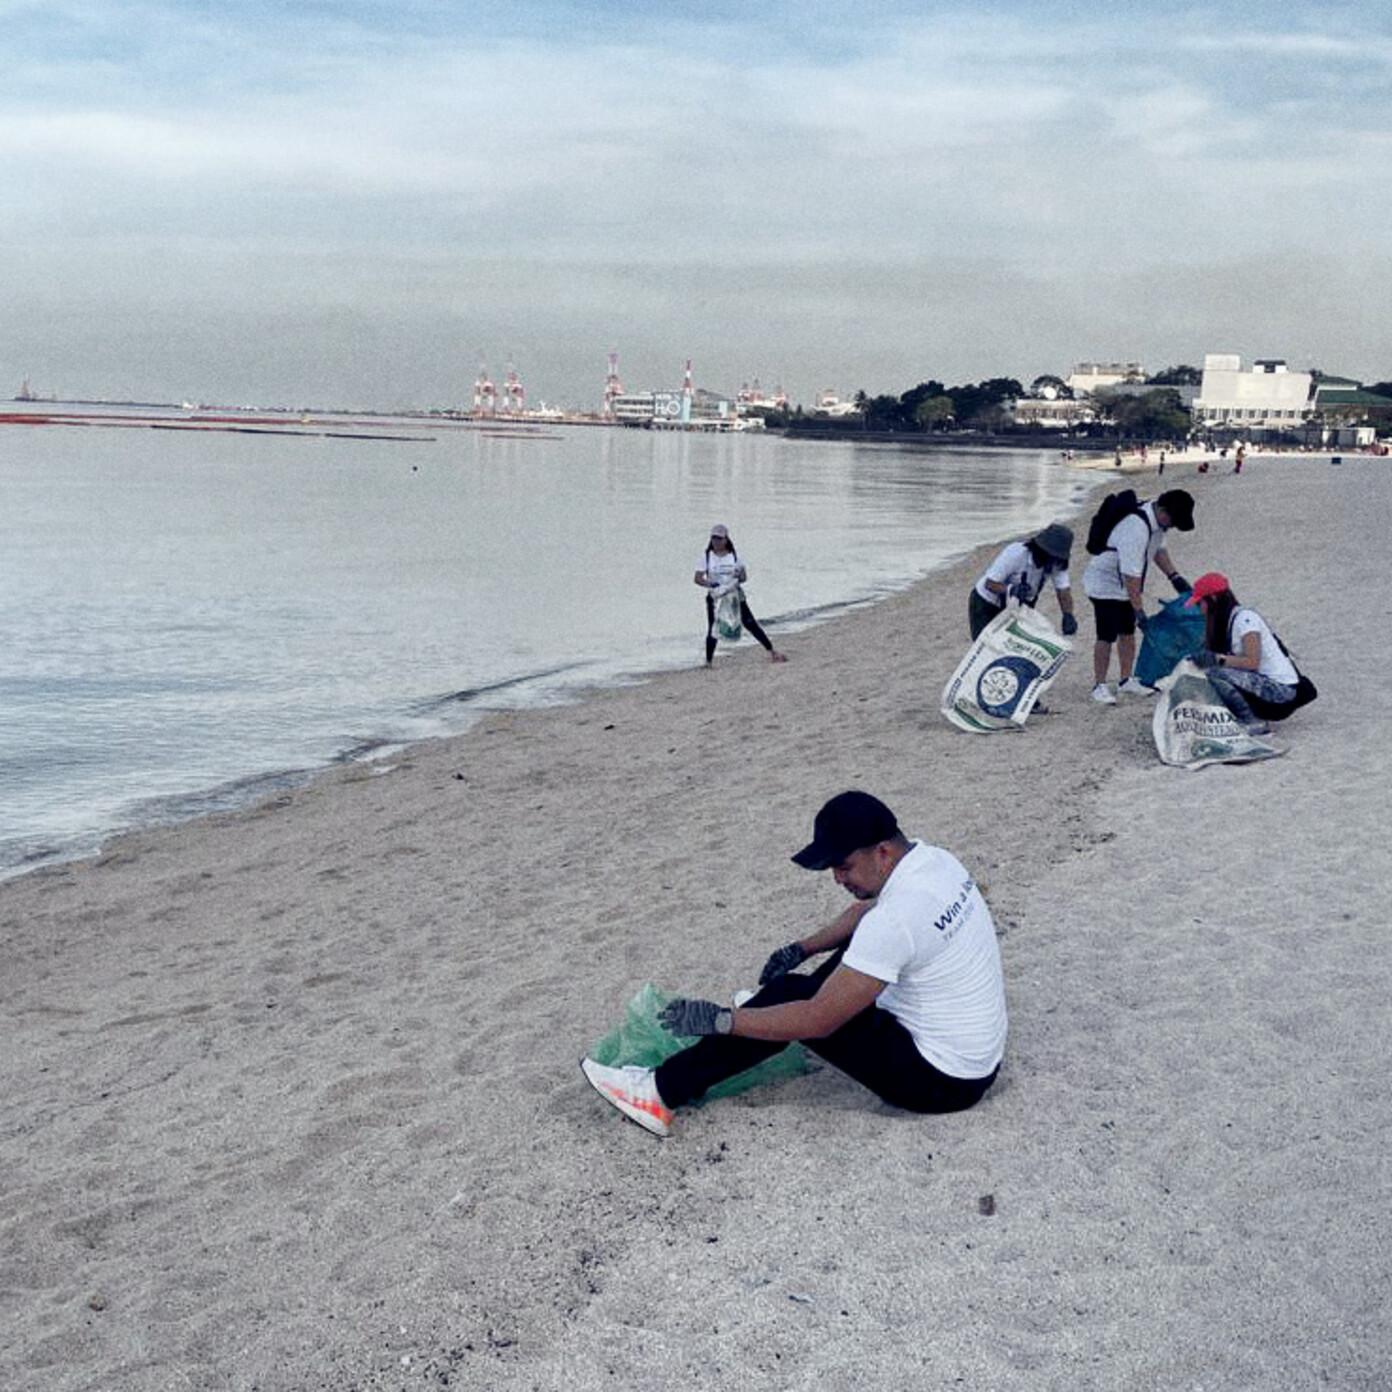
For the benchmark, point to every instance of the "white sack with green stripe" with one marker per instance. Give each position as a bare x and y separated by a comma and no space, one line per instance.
1005,672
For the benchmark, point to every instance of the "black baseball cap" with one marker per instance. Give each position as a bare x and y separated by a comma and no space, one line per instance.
845,824
1180,507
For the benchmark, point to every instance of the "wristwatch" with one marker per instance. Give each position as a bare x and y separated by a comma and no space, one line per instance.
724,1020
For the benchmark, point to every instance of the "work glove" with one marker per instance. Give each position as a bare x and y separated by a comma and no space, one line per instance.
782,962
1142,620
1182,586
1070,625
1204,658
686,1018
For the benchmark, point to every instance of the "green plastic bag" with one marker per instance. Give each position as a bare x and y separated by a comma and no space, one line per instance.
640,1039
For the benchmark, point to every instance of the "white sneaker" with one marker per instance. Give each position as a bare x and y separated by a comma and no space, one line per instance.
1102,694
633,1091
742,997
1131,687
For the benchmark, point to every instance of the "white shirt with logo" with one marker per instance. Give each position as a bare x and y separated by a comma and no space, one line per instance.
931,937
722,569
1016,567
1274,664
1131,548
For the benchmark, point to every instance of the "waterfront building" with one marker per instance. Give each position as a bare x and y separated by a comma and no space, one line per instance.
1087,377
830,404
1266,396
1055,414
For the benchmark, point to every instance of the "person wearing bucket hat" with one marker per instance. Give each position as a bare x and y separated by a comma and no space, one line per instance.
721,573
1114,581
1245,660
910,1003
1019,571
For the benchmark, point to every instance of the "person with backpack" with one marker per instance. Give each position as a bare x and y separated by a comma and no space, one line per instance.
1245,660
1125,536
721,573
1019,571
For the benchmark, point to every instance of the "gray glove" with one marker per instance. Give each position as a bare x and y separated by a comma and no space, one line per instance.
687,1018
1142,620
1204,658
1070,625
782,962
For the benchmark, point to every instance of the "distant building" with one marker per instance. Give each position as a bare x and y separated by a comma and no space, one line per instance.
1266,396
1087,377
698,409
1059,414
830,404
752,400
633,408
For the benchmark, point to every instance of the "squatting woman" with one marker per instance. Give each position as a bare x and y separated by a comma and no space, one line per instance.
1242,655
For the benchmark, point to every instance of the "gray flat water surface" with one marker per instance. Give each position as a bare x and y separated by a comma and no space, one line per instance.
188,616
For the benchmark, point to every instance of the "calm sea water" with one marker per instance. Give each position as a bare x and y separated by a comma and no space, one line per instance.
189,618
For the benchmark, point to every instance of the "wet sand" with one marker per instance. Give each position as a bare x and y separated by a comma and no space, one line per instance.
291,1097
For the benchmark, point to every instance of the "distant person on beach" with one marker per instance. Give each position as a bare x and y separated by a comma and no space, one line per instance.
1019,571
1239,458
911,1002
1114,581
1243,656
720,572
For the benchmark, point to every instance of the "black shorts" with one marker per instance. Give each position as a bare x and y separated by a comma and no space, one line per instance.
1115,618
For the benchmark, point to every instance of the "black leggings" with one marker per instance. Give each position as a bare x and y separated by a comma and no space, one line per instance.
746,618
872,1047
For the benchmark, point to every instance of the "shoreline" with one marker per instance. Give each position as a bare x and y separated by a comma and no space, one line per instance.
292,1098
244,791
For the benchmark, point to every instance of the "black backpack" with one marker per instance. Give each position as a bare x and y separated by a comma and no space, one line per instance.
1114,507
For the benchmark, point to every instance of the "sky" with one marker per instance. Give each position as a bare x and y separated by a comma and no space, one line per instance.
354,204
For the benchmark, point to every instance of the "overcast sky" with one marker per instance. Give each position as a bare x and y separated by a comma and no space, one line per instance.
345,203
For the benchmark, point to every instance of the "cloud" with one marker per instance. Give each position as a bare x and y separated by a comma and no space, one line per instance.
900,184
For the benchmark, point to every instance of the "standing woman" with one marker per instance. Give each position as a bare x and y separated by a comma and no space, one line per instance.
719,572
1242,655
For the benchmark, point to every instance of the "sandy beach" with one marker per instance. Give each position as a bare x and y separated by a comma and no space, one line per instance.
291,1097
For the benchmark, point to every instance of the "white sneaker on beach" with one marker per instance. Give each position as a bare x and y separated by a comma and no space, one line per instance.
742,997
1131,687
1102,694
633,1091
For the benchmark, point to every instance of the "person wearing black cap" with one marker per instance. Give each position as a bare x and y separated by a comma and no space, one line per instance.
1018,572
911,1002
1114,580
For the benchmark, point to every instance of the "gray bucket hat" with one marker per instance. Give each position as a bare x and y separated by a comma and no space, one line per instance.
1055,540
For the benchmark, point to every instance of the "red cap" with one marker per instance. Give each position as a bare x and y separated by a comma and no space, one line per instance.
1206,586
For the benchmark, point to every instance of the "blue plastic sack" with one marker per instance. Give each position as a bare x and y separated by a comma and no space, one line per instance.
1172,634
639,1039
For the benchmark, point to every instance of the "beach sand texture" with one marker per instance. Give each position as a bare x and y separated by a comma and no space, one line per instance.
291,1097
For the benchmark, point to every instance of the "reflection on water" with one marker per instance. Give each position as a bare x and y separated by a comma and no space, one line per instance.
187,611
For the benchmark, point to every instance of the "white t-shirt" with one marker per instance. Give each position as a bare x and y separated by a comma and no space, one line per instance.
930,935
724,570
1015,566
1131,548
1274,664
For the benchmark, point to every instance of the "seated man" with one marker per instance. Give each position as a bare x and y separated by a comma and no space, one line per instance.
910,1003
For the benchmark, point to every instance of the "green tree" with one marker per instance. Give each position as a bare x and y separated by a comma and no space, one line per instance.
974,404
1156,415
933,412
1047,381
1181,375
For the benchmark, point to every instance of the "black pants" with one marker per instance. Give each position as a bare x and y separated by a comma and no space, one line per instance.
980,612
746,618
872,1047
